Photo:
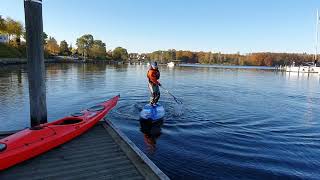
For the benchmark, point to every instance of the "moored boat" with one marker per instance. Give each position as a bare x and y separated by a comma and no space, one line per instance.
309,67
171,64
33,141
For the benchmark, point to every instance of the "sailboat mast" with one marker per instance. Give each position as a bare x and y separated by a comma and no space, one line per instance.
317,35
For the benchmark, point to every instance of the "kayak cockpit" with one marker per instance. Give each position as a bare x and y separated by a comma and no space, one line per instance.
3,147
96,108
67,121
77,114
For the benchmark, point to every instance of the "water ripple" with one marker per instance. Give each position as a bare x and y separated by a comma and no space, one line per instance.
234,123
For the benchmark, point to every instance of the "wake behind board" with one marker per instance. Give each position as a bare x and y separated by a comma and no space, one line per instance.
153,113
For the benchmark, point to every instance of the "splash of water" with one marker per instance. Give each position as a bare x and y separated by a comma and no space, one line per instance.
178,110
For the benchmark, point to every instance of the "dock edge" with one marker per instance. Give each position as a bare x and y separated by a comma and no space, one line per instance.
144,165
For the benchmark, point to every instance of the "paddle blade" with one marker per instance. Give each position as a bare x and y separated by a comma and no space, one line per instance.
178,109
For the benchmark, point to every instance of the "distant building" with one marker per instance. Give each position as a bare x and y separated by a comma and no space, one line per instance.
137,57
4,38
134,56
143,56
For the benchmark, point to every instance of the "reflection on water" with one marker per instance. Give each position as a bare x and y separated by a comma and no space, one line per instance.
151,131
236,123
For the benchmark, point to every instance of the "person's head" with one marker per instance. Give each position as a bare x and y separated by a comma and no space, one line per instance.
154,65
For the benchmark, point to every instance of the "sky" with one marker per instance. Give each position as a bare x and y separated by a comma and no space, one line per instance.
227,26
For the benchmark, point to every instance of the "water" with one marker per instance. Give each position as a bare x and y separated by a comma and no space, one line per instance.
235,123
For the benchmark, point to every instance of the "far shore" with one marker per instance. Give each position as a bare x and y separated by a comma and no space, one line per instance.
61,59
17,61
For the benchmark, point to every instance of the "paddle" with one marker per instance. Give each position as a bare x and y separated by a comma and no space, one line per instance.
175,99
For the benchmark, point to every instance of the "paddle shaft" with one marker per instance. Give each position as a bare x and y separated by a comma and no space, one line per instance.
175,99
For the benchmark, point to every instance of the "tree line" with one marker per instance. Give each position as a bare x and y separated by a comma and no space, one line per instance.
251,59
87,48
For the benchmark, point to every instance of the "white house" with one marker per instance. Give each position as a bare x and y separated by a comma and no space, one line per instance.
4,38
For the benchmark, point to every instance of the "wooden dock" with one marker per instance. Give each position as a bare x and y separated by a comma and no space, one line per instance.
103,152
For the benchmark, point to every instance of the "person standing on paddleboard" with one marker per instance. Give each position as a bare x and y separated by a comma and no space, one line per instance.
153,77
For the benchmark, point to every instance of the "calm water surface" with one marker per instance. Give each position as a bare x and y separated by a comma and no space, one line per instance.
236,123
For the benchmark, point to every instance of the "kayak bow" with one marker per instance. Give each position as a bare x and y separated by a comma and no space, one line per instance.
31,142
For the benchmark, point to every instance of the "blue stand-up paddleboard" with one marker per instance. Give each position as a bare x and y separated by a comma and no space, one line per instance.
152,113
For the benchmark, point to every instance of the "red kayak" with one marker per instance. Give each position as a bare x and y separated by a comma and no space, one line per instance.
31,142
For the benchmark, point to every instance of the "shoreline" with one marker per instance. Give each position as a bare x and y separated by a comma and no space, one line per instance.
59,59
229,66
18,61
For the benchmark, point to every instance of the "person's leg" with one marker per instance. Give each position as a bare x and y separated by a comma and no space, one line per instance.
152,97
156,94
157,97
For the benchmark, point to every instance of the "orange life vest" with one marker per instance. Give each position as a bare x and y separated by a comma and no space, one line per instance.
153,76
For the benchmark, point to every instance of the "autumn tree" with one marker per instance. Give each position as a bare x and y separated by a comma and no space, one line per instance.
202,58
52,46
186,56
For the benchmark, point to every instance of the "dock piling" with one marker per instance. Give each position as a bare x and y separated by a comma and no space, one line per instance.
35,60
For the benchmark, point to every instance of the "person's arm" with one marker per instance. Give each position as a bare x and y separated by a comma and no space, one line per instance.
158,79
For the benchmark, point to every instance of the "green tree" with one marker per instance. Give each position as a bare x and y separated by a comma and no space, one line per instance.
13,28
84,44
64,49
120,53
172,54
109,55
45,37
70,48
98,50
3,26
74,51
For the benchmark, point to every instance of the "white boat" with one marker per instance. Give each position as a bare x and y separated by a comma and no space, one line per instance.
306,68
315,69
292,68
171,64
311,67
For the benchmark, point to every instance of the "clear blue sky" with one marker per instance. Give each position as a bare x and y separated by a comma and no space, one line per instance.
209,25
